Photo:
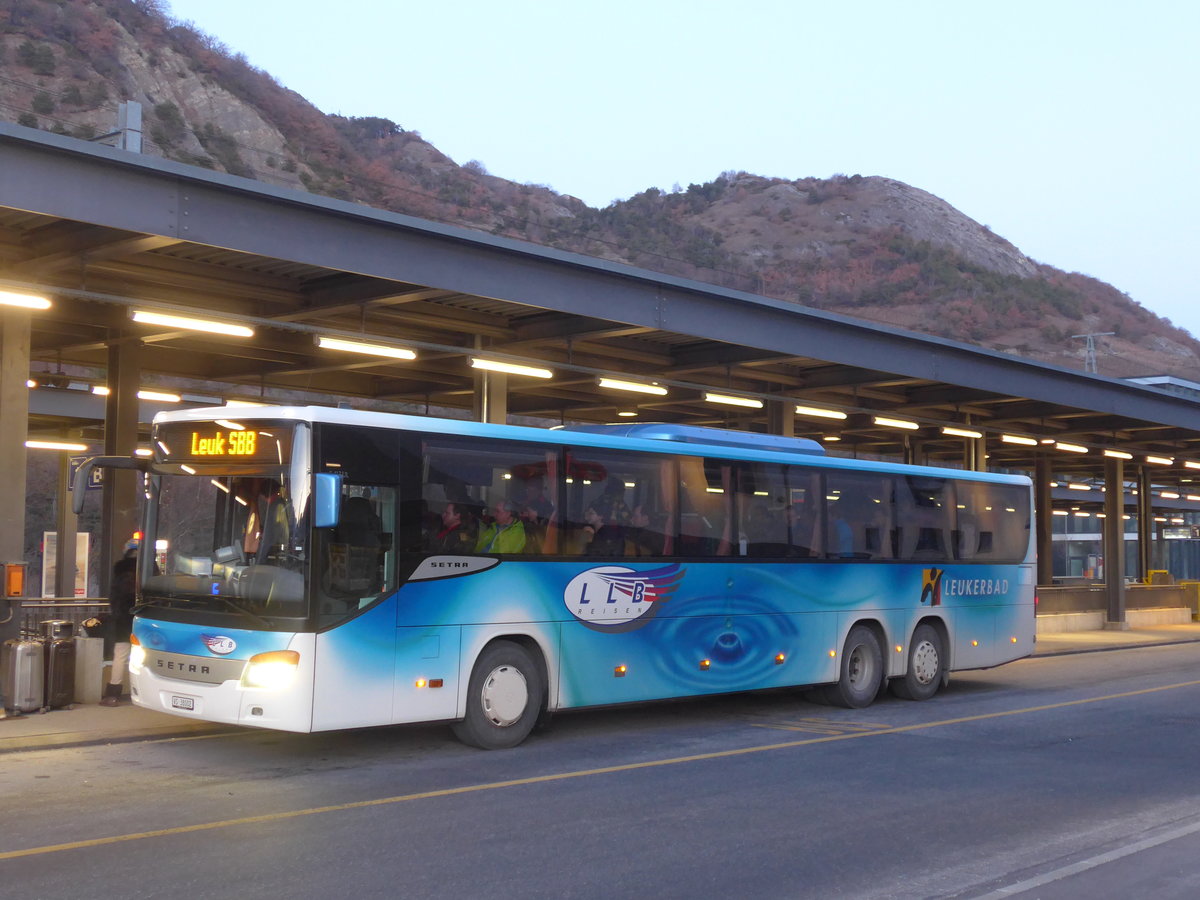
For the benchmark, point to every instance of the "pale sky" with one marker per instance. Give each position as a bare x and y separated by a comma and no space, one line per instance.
1067,126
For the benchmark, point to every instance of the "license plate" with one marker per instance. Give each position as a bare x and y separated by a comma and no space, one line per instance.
183,703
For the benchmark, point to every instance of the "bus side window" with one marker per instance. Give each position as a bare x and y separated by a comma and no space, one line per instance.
926,510
357,560
617,504
705,508
805,535
992,521
778,511
858,516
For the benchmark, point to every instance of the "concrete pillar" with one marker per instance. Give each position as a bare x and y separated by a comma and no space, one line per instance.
119,499
14,418
14,413
1145,525
1114,543
490,403
980,454
1043,504
781,417
975,454
67,526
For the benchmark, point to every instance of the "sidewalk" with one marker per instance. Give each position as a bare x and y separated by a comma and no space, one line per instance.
86,724
90,723
1091,641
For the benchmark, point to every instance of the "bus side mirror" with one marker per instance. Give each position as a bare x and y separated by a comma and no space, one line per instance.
84,472
327,499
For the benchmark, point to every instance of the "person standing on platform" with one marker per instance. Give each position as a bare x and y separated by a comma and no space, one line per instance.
120,607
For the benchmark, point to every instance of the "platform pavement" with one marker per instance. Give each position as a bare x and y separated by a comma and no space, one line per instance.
85,724
91,723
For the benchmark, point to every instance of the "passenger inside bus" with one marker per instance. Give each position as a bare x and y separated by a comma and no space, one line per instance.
266,528
602,536
535,499
610,504
457,531
641,537
506,533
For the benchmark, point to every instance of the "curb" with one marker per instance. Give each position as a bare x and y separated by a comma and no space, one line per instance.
1072,651
66,739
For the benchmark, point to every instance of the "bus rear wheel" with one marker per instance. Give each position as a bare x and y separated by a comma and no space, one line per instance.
926,666
504,698
861,672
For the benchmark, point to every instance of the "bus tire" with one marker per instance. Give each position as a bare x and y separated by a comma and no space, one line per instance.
926,665
504,698
861,671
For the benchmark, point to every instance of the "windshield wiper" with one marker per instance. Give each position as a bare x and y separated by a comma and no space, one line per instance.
174,602
261,620
164,602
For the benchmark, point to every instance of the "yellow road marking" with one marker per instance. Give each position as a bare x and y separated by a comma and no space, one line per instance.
564,776
819,725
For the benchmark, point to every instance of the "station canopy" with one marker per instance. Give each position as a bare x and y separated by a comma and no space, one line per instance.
106,234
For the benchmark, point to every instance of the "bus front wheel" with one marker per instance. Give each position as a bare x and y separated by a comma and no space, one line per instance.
504,698
926,666
861,672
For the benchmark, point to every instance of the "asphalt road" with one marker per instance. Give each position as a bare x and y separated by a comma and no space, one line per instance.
1052,777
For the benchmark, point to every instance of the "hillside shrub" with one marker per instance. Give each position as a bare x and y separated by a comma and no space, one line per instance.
97,93
38,57
170,127
223,149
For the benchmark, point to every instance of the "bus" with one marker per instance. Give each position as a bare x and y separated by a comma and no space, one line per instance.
310,569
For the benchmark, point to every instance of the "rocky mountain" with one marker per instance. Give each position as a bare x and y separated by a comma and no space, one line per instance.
870,247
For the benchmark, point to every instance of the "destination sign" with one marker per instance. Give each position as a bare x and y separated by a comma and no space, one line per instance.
224,443
224,440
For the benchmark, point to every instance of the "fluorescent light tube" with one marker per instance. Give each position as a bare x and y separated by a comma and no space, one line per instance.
747,402
636,386
148,317
493,365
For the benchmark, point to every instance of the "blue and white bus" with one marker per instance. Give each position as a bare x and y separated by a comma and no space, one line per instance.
317,569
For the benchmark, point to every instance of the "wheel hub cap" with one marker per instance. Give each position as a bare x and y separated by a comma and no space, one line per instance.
924,662
505,696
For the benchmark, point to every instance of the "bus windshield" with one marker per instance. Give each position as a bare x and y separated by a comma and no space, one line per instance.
228,543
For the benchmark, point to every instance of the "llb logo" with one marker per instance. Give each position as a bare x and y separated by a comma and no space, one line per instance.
219,643
616,598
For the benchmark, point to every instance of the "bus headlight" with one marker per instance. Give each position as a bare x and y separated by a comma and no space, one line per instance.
137,655
272,671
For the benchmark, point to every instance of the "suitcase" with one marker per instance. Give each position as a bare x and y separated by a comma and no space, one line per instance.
60,673
24,678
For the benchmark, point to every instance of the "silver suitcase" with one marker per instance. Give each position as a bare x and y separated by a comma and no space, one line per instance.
24,684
